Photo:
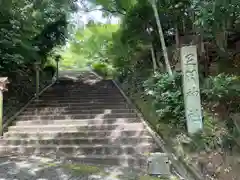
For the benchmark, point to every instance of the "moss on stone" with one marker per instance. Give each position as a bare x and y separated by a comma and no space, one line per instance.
79,168
157,178
149,178
83,169
52,164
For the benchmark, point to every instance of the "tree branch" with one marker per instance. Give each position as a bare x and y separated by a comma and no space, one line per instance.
86,9
106,10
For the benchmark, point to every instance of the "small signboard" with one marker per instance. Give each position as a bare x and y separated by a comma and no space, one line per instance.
191,89
158,164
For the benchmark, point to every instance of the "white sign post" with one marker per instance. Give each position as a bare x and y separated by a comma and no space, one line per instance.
191,90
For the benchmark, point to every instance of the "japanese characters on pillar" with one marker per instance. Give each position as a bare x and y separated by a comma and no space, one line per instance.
192,100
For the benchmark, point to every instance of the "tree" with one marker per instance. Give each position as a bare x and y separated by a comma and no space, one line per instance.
91,44
23,26
161,36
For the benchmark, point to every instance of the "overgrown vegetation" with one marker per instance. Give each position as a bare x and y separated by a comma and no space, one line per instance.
30,32
167,98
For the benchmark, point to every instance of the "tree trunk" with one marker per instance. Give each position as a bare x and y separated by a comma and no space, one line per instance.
177,40
160,65
153,59
162,40
177,47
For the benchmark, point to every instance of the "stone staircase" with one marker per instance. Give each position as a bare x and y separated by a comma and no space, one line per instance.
85,119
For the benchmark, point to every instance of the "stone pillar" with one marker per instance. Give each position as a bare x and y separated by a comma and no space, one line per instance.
37,68
191,90
3,83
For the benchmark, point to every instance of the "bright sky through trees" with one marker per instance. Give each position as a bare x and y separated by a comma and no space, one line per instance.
82,17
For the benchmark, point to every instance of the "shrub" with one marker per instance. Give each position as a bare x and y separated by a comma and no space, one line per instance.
219,94
210,138
221,88
49,70
100,68
167,96
103,69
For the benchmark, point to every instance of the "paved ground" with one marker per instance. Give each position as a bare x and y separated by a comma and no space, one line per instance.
39,168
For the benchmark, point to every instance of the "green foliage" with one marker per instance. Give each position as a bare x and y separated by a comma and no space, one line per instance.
90,45
166,93
50,70
167,96
30,30
214,136
103,69
221,87
115,7
51,36
210,138
222,91
100,68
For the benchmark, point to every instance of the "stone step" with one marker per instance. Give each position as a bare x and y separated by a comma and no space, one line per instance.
82,83
77,95
77,116
82,86
77,121
68,78
82,106
82,95
50,103
78,86
78,141
127,161
70,127
66,107
78,150
73,134
80,99
80,102
101,91
93,90
76,111
90,92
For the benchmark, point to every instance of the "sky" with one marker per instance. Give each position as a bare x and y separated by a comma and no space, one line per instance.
97,16
82,18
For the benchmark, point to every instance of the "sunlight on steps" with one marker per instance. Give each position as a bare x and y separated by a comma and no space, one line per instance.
77,120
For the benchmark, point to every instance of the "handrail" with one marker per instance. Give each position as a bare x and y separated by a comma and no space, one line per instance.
11,119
